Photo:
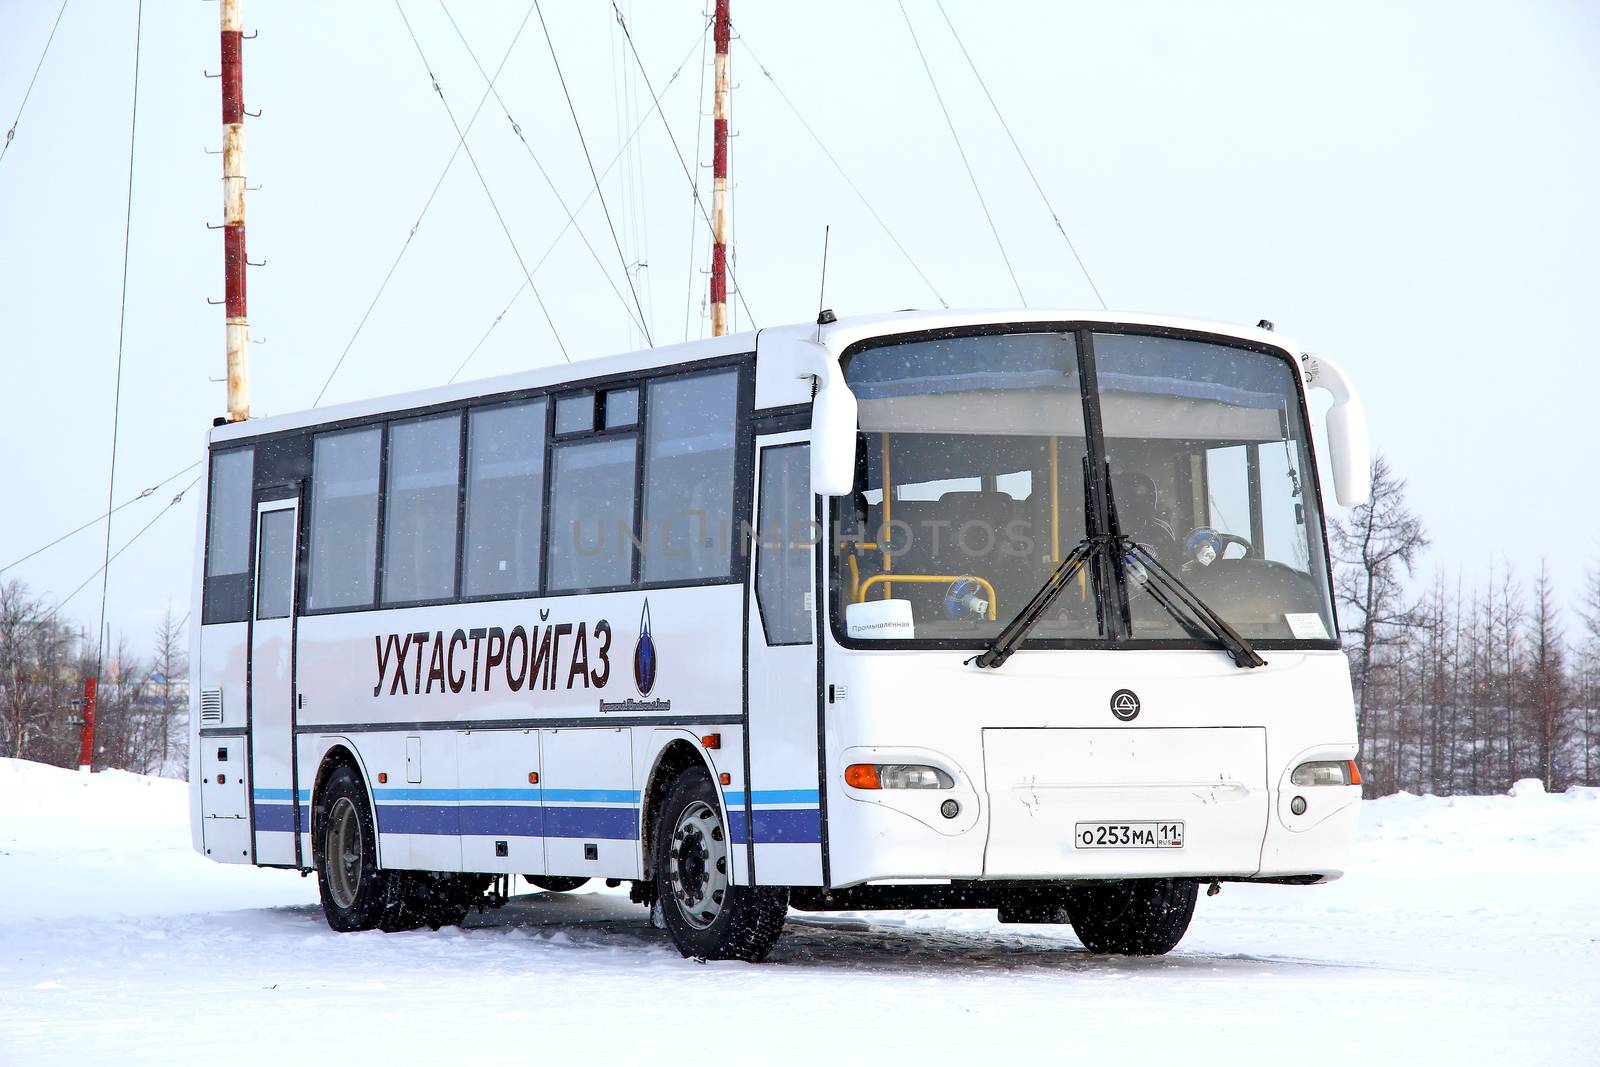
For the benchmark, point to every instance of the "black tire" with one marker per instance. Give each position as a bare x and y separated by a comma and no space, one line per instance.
555,884
356,893
437,899
1136,917
691,861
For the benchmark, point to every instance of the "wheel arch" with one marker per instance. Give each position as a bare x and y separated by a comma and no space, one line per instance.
676,755
341,752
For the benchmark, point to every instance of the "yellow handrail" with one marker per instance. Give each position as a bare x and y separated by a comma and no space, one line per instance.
925,579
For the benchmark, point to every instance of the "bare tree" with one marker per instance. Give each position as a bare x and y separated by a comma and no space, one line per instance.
1377,548
1547,677
169,683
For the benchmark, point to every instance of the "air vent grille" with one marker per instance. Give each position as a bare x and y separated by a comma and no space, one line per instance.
210,707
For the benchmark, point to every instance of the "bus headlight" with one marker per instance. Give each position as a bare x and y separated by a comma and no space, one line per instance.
896,776
1327,772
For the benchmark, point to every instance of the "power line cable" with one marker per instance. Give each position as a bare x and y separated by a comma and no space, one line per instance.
122,321
12,132
843,174
516,128
583,203
112,558
962,152
143,493
587,158
462,137
415,226
1055,218
694,186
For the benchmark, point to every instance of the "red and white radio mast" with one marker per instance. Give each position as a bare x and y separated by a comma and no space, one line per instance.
719,176
233,213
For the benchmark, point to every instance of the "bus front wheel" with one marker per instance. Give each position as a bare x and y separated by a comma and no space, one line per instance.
1135,917
706,915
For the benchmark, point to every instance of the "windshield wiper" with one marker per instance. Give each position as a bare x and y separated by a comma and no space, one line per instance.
1011,636
1171,592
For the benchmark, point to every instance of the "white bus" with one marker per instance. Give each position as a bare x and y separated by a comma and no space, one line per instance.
1019,610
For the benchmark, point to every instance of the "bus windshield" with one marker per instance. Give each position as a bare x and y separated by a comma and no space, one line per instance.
975,462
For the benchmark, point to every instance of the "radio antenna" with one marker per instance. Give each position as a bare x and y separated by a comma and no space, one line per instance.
824,316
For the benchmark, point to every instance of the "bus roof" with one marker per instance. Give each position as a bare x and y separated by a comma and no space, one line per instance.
836,336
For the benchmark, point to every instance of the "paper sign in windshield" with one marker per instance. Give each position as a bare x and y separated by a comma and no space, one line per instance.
1306,626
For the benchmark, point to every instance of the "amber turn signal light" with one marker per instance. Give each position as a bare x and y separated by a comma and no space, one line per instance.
1355,773
862,776
725,778
712,740
383,776
533,777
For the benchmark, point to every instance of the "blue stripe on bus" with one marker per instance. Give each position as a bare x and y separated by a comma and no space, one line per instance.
512,820
779,826
281,794
501,820
734,798
581,796
774,826
280,817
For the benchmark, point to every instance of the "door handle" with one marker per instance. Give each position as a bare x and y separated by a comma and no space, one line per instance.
299,701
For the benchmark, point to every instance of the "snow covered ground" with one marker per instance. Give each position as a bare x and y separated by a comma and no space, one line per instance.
1468,931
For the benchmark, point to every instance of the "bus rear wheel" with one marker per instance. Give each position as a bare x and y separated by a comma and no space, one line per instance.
1135,917
706,915
356,893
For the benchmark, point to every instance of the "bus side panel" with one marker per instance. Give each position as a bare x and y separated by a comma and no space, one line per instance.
223,715
591,804
419,819
501,809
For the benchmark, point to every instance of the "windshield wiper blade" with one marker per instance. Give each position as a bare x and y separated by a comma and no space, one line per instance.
1170,591
1011,636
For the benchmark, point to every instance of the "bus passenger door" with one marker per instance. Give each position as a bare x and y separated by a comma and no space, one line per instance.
778,817
272,690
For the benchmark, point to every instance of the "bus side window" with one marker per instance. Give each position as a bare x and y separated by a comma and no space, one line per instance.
419,529
344,519
785,532
591,513
690,428
228,536
505,498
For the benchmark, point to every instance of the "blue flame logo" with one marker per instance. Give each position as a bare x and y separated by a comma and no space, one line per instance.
644,655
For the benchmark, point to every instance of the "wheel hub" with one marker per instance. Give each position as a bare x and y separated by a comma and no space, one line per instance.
698,865
342,847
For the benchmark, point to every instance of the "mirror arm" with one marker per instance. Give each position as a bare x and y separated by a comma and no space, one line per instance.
1347,431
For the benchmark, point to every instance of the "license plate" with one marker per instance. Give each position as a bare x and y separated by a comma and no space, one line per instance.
1128,835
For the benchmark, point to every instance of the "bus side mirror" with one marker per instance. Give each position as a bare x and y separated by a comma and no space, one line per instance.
833,422
1350,451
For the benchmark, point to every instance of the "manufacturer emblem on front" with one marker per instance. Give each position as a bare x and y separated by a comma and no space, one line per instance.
1125,705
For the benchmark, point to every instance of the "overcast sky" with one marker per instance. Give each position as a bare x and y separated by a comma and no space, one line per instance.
1407,188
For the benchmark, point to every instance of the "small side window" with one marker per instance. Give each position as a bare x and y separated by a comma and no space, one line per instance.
575,414
622,408
785,534
275,577
227,591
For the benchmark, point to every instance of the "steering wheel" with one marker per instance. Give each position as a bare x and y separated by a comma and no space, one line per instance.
964,598
1205,545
